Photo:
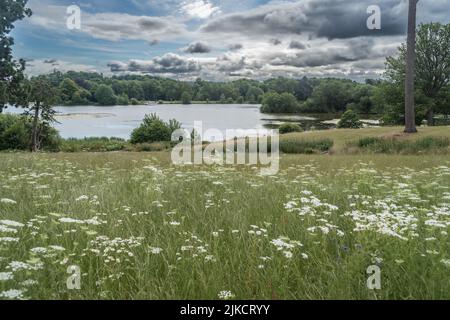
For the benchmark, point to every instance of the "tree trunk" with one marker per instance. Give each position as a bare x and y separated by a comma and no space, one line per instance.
410,117
430,117
34,138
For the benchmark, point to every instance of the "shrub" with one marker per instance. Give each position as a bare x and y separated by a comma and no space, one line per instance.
186,98
350,120
123,100
297,146
94,144
396,146
289,128
152,147
153,129
15,134
135,102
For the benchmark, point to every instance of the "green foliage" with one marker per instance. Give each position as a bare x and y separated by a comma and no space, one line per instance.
399,146
102,144
71,94
289,128
300,146
135,90
105,95
11,71
279,103
254,95
294,95
135,102
330,95
432,70
186,98
16,133
153,129
301,89
123,100
152,147
350,120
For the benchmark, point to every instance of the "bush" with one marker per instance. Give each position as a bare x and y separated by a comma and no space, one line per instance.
135,102
15,134
123,100
102,144
186,98
396,146
350,120
152,147
153,129
297,146
289,128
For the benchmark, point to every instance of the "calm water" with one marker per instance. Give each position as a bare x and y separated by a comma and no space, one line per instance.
119,121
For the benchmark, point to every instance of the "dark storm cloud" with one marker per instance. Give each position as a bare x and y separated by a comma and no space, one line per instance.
235,47
275,41
226,64
332,19
117,66
197,47
302,61
154,42
297,45
353,50
169,63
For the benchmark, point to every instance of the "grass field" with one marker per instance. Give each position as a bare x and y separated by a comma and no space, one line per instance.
140,228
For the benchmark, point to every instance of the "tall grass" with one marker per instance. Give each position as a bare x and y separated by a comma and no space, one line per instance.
303,146
140,228
398,146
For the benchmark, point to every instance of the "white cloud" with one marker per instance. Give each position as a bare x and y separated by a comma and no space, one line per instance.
109,26
200,9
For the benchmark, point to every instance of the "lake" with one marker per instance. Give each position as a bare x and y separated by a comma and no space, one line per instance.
119,121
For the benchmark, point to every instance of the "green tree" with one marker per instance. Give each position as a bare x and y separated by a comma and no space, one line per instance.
105,95
279,103
123,100
254,95
330,95
186,98
40,97
135,90
11,71
432,67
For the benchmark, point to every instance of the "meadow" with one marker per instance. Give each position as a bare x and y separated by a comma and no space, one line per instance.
141,228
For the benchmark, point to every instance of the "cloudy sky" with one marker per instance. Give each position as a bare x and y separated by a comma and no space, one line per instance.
218,39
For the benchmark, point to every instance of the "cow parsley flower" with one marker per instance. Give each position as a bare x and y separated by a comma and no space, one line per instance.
225,295
12,294
7,201
4,276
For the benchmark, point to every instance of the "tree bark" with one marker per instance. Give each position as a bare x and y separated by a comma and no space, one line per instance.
430,118
410,117
34,138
